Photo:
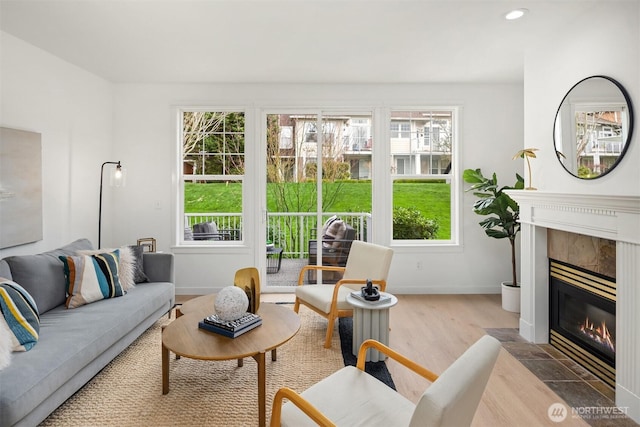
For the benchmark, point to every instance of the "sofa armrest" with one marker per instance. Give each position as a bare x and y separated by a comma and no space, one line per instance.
158,266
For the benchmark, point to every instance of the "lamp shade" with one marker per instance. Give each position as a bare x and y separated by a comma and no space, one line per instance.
118,177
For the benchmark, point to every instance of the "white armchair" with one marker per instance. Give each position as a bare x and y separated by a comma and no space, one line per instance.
351,397
365,261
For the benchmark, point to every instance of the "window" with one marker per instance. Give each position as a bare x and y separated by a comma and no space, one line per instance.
286,137
213,154
421,174
358,135
400,129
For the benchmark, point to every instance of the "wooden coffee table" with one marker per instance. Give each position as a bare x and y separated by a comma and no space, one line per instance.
204,306
184,338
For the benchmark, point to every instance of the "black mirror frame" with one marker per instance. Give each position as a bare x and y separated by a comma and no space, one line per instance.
629,135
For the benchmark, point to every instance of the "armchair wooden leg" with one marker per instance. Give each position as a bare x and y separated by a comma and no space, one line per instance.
296,305
327,341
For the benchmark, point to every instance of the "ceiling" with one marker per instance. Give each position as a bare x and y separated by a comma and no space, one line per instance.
290,41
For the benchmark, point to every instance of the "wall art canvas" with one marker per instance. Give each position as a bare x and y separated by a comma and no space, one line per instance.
20,187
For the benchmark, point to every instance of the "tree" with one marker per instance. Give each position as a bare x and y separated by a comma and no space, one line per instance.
213,142
195,126
292,185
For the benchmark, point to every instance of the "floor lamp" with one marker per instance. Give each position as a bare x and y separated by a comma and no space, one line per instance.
117,180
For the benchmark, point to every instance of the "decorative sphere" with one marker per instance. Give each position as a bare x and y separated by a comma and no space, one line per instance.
231,303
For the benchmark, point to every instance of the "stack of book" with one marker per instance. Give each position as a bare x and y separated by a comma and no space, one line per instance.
383,298
230,328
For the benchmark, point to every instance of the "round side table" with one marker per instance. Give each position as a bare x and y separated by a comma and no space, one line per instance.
371,321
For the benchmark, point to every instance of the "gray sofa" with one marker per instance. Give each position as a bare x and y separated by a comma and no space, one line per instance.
74,344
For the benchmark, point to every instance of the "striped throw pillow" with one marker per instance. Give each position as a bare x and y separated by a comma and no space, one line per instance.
91,278
19,315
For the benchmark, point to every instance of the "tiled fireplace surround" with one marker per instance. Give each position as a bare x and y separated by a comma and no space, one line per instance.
615,218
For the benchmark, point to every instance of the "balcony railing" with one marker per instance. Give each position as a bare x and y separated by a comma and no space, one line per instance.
290,231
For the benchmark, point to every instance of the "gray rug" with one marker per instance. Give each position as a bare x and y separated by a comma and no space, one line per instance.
377,369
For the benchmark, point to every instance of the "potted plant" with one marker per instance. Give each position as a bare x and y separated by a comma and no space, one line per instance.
501,223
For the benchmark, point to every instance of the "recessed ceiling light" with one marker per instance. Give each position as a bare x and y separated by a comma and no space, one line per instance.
515,14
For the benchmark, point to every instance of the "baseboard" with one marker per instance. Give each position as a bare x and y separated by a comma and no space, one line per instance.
400,290
413,290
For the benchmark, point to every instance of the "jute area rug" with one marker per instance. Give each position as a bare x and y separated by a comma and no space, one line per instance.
128,392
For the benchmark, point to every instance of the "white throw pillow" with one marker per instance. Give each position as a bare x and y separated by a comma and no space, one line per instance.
5,346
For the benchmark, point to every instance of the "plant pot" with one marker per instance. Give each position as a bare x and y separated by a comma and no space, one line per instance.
510,297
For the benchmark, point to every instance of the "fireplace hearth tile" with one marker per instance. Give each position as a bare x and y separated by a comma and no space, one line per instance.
550,370
525,350
506,334
603,388
579,370
584,398
553,352
571,382
578,394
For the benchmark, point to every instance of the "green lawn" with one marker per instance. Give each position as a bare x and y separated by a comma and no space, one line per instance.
430,198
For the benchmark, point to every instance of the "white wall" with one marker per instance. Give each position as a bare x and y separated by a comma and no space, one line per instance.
145,135
603,40
72,109
74,112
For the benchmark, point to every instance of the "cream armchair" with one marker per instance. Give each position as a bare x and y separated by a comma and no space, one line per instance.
365,261
351,397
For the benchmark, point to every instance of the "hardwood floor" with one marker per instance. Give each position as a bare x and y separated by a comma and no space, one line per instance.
434,330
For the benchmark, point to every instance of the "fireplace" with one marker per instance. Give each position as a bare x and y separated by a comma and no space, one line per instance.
582,317
612,217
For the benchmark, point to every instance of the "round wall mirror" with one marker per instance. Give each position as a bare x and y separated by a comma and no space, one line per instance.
593,127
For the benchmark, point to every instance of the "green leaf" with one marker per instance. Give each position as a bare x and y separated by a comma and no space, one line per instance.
496,234
473,176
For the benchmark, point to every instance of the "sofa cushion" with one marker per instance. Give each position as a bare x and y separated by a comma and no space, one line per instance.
90,278
42,275
19,315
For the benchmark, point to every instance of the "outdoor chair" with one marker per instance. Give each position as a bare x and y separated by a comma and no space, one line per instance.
335,252
351,397
365,261
210,231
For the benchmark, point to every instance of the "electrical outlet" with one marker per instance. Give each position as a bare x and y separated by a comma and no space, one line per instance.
419,265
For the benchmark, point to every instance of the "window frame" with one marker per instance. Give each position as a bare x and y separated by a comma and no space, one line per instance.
452,178
182,177
382,180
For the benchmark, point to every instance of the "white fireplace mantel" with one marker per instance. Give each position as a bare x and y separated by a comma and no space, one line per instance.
610,217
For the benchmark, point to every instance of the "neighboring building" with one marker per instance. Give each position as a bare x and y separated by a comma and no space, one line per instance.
420,143
600,135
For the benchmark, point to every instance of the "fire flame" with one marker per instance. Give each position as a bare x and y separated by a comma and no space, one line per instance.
599,334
